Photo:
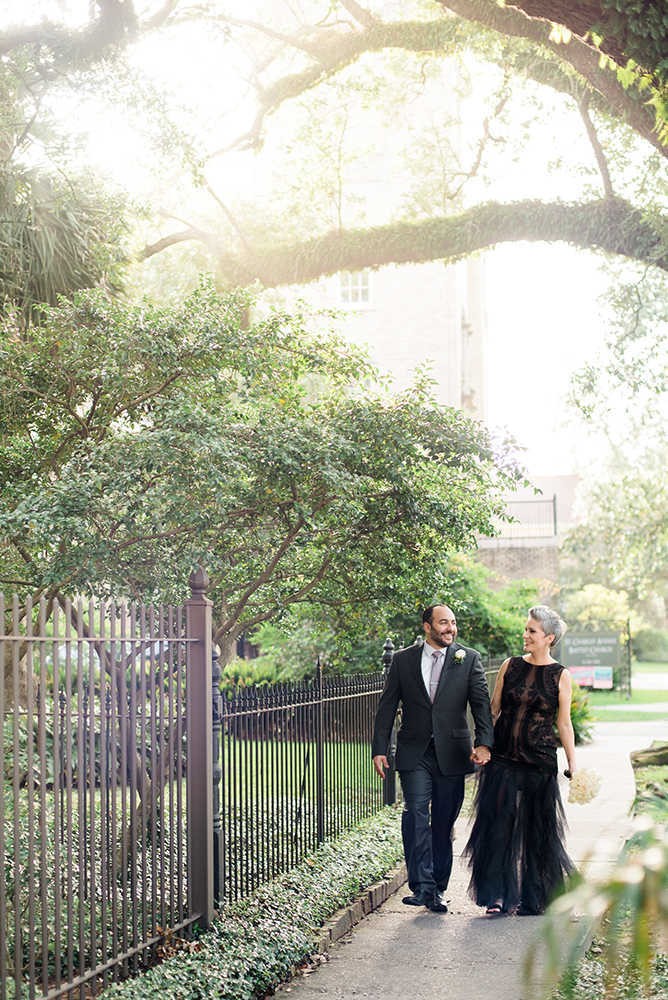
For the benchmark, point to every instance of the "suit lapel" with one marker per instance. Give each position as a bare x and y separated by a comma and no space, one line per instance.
417,673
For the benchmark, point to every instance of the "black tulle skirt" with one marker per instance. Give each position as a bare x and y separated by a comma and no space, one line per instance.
516,848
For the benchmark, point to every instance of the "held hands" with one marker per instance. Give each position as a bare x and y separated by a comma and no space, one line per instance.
481,755
381,764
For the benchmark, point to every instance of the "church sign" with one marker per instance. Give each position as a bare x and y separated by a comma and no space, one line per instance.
591,657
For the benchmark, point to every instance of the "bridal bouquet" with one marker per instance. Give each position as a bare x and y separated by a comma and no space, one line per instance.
584,786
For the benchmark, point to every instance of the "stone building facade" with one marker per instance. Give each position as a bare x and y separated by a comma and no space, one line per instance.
414,315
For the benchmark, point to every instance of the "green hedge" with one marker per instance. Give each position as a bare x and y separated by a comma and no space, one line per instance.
255,944
651,645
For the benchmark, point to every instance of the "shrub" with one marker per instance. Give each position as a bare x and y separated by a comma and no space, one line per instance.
256,943
626,909
581,715
651,644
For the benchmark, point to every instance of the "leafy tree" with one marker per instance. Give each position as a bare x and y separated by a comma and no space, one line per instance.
56,238
138,441
604,62
596,608
622,540
350,639
60,229
625,389
490,617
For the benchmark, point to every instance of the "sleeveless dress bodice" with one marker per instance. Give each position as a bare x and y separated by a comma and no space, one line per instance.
524,731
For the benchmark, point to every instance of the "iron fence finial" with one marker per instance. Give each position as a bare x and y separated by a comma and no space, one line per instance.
199,582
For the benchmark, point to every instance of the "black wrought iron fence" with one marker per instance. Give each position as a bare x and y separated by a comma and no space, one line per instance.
294,770
100,814
136,797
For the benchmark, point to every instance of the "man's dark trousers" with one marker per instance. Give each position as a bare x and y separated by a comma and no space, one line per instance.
428,847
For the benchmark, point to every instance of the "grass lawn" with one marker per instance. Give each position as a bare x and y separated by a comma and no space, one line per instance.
638,697
609,706
649,668
630,715
652,791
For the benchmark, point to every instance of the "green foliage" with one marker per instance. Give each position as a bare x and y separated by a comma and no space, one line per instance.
596,608
255,944
623,542
643,28
591,982
240,673
628,912
651,644
138,441
652,791
491,620
582,715
635,34
289,649
631,377
56,237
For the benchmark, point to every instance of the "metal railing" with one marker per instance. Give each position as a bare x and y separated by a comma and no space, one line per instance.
294,771
105,757
535,518
136,797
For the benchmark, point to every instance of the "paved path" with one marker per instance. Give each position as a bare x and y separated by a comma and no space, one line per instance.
649,681
398,953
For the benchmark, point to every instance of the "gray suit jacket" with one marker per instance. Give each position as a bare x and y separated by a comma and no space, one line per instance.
462,683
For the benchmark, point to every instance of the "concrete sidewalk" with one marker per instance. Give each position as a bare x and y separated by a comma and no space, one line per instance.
398,953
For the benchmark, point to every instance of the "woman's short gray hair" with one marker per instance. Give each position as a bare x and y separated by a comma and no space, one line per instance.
549,620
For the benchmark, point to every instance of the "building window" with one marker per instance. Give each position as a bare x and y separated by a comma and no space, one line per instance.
354,287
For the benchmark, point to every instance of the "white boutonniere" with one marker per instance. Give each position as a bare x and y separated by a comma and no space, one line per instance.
459,655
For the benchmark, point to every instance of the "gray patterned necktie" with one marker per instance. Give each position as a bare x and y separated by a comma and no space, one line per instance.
436,668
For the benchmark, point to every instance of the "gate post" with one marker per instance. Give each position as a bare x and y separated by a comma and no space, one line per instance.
200,748
390,783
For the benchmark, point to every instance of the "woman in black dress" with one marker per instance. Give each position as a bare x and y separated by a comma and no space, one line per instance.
516,849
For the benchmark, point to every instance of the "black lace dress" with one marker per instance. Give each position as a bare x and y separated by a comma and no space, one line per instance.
516,848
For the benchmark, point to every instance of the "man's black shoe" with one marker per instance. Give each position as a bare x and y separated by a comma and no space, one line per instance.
417,899
436,904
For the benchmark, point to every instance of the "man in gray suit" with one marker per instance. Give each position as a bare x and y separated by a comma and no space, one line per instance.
434,683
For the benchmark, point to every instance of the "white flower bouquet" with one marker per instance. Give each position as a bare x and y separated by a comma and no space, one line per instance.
460,655
584,786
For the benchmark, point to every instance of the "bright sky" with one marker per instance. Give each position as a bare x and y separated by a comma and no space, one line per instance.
544,323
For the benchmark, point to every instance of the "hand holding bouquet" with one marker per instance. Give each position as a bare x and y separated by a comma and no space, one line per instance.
584,786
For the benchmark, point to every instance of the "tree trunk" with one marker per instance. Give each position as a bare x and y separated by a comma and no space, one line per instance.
656,755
